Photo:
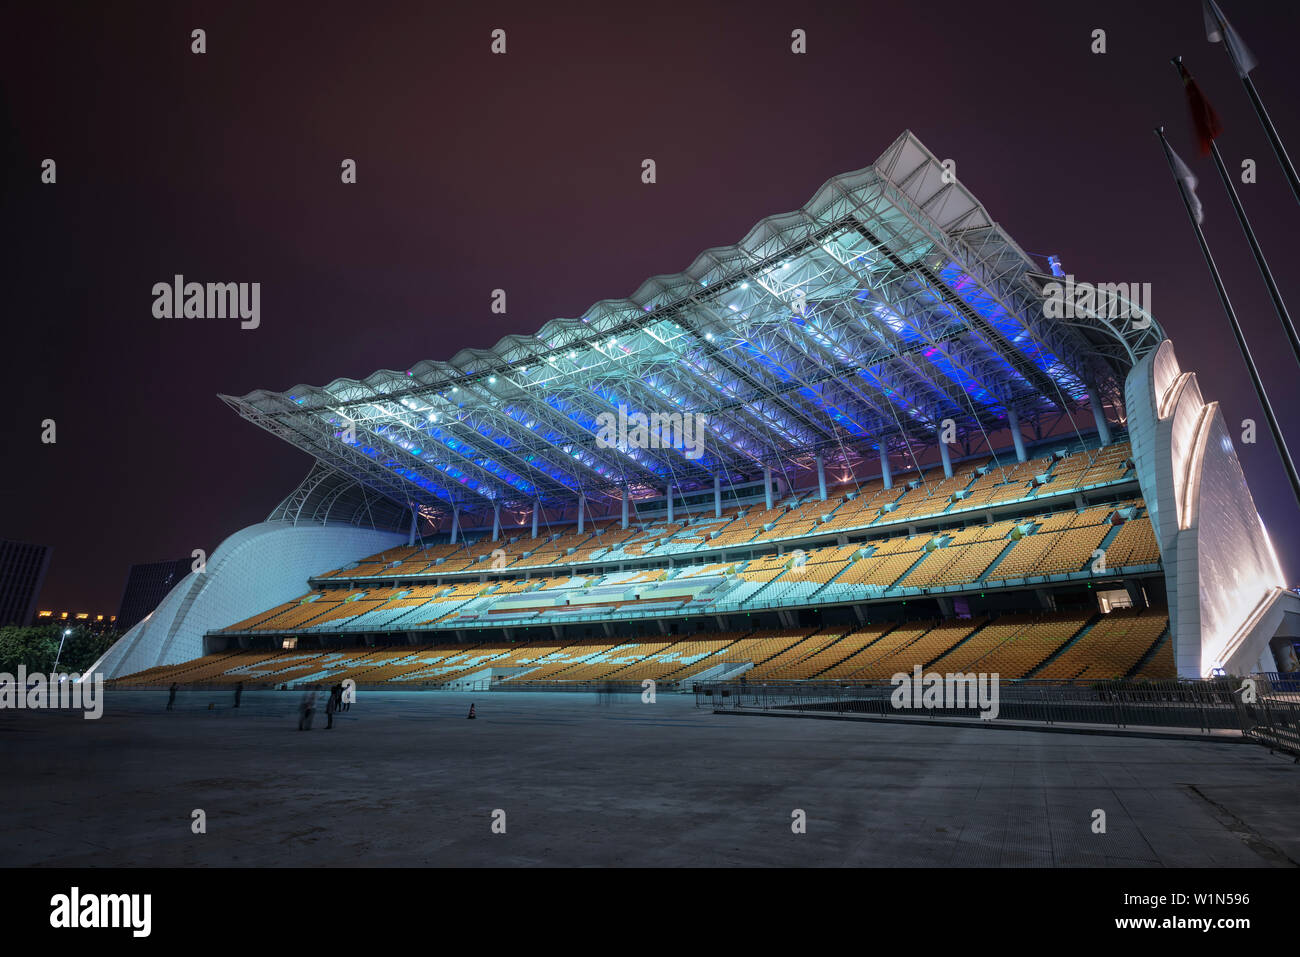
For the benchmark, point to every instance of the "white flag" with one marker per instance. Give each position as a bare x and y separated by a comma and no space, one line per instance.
1219,30
1187,183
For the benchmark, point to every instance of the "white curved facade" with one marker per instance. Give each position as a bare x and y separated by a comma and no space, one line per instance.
254,569
1222,575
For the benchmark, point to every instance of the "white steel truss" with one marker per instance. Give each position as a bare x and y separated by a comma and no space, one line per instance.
887,304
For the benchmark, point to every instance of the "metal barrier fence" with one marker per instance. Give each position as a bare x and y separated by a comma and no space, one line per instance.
600,687
1281,681
1220,704
1265,710
482,684
1273,719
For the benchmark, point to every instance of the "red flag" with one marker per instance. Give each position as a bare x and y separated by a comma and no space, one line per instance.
1204,119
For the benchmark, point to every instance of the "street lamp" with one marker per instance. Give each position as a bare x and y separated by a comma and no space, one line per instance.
62,639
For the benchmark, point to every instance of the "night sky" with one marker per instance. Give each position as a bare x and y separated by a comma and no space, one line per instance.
522,172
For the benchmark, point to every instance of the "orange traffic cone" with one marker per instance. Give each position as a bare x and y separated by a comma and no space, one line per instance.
471,712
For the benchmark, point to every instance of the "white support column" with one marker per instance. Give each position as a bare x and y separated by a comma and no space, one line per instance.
884,466
496,522
821,479
537,508
455,522
670,504
1013,423
947,458
717,496
582,512
767,487
627,498
415,518
1098,413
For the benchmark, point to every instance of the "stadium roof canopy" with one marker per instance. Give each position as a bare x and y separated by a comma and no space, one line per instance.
889,303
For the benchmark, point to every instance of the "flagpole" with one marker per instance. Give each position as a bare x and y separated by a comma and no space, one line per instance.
1283,452
1217,29
1278,149
1275,294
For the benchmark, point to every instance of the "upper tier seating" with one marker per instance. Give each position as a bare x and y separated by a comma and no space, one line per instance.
976,484
1002,552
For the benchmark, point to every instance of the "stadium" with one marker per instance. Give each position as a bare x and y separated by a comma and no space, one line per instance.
903,460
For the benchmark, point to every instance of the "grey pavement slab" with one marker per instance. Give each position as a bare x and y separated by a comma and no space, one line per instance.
404,779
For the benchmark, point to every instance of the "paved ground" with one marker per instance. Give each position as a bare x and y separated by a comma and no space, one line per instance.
405,779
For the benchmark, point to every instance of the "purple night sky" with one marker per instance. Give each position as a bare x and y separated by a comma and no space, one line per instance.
523,172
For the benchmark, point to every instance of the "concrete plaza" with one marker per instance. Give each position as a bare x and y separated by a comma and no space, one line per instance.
404,779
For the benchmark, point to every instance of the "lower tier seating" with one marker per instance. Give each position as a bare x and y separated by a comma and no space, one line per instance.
1064,646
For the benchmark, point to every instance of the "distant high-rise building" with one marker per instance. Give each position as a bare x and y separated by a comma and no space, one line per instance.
22,573
147,585
94,623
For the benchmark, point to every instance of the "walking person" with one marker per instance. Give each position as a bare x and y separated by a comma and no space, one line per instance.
239,693
306,711
330,707
171,696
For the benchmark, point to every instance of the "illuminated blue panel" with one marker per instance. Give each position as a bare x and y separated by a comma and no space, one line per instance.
705,460
964,379
1015,331
462,448
832,411
895,399
762,359
896,322
406,473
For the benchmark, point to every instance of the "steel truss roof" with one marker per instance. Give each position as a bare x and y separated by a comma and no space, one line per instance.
888,304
